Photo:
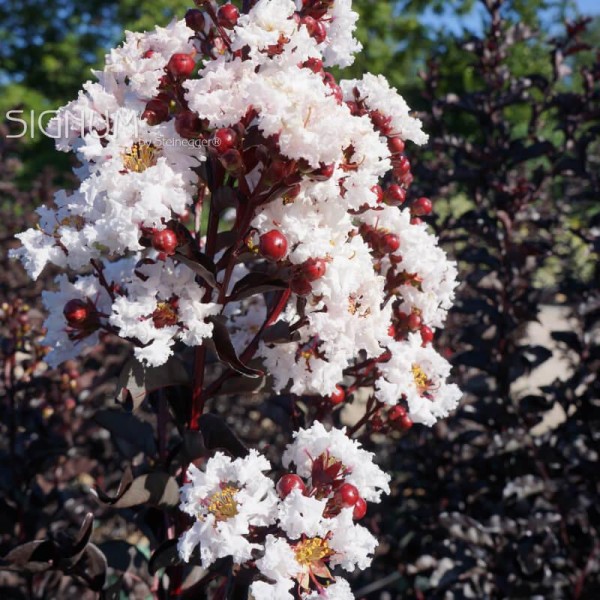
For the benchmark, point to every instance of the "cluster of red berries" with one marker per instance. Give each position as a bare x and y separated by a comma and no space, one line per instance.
212,34
273,245
181,66
395,419
410,323
345,495
395,192
379,239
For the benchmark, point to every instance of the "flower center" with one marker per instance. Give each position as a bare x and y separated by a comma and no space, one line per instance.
164,315
222,504
75,221
312,550
420,378
140,157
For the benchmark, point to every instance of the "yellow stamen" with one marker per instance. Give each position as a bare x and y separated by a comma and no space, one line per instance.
75,221
222,504
141,157
312,550
421,380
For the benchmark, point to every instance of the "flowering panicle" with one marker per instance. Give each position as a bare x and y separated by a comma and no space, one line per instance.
234,196
295,537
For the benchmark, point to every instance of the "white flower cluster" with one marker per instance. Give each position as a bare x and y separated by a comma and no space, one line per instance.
296,534
320,178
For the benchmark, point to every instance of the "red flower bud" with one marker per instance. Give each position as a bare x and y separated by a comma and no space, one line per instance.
395,195
421,207
228,16
194,19
389,243
165,241
288,483
273,245
396,145
181,65
360,509
347,495
338,395
223,140
426,334
314,268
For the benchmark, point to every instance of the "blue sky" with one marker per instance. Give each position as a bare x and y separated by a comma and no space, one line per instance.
590,7
473,20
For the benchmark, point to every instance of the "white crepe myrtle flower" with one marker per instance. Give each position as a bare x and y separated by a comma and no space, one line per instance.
418,374
332,446
226,499
307,559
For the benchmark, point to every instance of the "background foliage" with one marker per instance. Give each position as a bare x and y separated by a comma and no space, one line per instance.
488,504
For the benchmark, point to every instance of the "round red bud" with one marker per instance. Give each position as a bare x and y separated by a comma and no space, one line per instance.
181,65
414,321
421,207
347,494
395,194
389,243
406,422
401,166
314,268
338,395
360,509
156,112
223,140
194,19
148,54
77,313
396,145
396,412
273,245
426,334
407,180
228,16
381,121
289,482
165,241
